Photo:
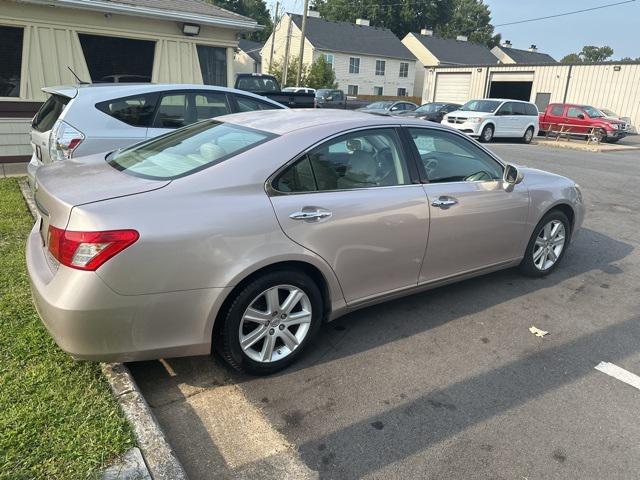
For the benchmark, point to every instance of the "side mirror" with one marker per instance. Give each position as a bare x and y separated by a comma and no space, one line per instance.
328,99
393,109
581,116
512,175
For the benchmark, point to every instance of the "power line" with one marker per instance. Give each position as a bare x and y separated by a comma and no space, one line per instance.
564,14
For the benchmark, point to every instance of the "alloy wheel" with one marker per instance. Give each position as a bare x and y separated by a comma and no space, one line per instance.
528,135
549,245
275,323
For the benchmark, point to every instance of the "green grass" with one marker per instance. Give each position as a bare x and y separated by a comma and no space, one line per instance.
58,419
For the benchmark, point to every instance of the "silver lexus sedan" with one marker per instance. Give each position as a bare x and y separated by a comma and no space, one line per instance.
241,235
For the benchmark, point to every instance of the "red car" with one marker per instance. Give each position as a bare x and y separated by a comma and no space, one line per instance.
581,120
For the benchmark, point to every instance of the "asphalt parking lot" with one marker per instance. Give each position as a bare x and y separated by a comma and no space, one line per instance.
449,383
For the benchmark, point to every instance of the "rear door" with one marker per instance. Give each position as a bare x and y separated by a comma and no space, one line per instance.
505,121
520,118
353,201
474,221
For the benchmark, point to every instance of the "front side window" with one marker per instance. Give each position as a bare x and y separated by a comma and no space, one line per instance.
213,65
378,90
11,61
404,69
380,67
363,159
117,59
446,157
248,104
402,92
352,89
136,111
354,65
187,150
574,112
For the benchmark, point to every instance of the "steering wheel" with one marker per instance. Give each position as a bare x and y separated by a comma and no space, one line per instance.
384,174
430,164
478,177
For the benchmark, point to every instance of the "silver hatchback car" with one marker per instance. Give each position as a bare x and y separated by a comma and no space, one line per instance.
241,235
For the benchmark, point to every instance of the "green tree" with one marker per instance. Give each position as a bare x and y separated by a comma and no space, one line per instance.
255,9
276,69
321,75
589,53
630,59
448,18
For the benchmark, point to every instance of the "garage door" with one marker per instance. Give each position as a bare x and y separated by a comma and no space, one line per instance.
452,87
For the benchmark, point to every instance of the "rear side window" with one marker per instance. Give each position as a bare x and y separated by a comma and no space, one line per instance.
530,109
136,111
49,113
518,108
557,110
172,112
247,104
209,105
187,150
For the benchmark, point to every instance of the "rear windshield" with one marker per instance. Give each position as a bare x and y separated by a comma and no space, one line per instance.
187,150
49,113
257,84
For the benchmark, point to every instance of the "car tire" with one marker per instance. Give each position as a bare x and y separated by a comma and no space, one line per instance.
539,264
611,140
487,134
229,337
528,136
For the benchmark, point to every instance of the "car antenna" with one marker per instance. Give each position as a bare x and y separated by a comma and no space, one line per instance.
77,77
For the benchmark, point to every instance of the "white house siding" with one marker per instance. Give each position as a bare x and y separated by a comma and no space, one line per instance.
243,63
280,45
51,43
424,58
367,79
600,85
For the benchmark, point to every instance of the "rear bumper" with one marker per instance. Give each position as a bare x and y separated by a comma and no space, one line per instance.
90,321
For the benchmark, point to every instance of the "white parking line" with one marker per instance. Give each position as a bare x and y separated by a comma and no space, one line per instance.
619,373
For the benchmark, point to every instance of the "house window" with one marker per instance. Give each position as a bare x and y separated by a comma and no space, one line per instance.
352,90
402,92
354,65
329,59
377,91
11,61
117,59
380,65
213,65
404,69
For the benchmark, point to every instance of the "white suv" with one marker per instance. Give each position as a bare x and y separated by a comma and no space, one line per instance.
495,117
81,120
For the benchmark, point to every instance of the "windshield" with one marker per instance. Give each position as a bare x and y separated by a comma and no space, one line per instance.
487,106
187,150
258,84
380,105
608,113
429,108
592,112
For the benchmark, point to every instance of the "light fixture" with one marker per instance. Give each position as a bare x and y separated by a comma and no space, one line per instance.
191,29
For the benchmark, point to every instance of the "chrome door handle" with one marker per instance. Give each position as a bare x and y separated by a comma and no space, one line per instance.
444,202
307,215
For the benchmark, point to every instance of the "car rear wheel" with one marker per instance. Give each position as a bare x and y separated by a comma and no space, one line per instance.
528,135
547,245
271,322
487,134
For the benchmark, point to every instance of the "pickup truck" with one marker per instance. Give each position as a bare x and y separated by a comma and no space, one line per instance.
334,98
581,120
268,86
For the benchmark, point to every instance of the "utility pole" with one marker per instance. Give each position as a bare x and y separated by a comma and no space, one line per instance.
273,36
302,37
285,67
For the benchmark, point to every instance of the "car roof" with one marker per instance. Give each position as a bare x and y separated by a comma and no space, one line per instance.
281,122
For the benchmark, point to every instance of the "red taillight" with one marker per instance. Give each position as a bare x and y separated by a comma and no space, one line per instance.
88,250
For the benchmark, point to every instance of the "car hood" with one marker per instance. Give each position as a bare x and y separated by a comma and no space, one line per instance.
377,111
86,180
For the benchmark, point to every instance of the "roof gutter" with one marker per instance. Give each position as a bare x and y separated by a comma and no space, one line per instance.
148,12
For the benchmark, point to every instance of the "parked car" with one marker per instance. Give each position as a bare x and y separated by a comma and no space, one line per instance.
335,98
268,86
389,107
243,234
491,118
78,120
299,89
434,111
581,120
611,114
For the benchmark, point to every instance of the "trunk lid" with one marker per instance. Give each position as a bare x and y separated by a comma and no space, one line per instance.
63,185
47,116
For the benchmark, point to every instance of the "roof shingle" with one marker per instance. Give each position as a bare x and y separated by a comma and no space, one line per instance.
251,48
351,38
525,56
456,52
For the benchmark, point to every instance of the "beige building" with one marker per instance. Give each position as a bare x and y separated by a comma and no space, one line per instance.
162,41
610,85
366,60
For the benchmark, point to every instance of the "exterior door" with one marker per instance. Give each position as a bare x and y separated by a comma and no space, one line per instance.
474,221
351,201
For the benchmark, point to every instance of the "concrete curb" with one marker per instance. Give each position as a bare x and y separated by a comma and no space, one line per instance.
158,455
602,148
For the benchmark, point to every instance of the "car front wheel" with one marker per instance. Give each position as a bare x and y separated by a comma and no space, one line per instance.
487,134
547,245
271,322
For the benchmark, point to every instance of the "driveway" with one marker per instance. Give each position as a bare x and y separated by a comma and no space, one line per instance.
449,383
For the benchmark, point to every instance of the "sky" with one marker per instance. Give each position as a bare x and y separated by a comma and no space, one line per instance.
616,26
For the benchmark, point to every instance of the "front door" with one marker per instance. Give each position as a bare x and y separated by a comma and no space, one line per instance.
351,201
475,221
